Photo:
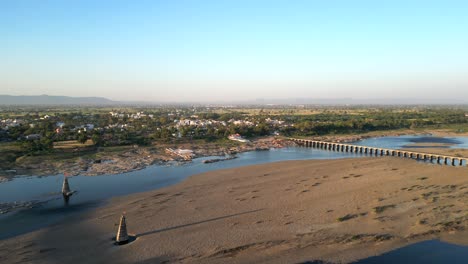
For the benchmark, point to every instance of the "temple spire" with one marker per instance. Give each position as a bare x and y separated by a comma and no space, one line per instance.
66,187
122,235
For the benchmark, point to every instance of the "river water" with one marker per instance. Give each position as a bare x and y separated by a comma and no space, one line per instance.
93,191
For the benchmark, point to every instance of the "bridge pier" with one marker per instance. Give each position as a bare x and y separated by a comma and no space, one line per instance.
372,151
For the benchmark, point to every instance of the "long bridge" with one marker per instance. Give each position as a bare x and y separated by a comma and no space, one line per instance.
340,147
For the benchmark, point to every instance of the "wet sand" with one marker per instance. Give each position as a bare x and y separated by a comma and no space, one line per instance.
337,211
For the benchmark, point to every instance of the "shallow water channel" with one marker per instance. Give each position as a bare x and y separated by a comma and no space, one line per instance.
92,191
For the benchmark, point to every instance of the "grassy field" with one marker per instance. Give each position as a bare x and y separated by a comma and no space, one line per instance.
9,152
72,144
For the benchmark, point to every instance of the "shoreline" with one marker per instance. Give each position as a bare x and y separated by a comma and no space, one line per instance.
336,211
139,158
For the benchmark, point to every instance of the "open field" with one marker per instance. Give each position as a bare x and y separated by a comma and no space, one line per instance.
72,144
286,212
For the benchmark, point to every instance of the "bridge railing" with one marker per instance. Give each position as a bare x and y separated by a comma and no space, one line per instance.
375,151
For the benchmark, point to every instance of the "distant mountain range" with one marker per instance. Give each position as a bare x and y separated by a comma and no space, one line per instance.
358,101
67,100
53,100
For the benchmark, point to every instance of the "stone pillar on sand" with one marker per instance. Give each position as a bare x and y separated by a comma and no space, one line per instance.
122,235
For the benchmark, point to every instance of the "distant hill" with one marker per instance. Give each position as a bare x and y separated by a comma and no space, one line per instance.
52,100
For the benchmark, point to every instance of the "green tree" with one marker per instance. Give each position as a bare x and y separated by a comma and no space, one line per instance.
97,139
82,137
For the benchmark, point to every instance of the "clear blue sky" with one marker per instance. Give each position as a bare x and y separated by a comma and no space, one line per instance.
234,50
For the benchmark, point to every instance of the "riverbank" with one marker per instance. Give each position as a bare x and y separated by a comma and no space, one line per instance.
285,212
123,159
129,158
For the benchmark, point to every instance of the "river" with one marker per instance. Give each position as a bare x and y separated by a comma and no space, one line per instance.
93,191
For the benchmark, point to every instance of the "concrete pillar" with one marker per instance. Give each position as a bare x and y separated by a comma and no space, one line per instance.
65,187
66,191
122,236
445,160
453,162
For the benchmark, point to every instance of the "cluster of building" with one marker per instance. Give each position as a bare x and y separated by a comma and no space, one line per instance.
209,122
6,124
197,122
137,115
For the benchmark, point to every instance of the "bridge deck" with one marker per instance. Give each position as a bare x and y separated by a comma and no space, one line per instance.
380,151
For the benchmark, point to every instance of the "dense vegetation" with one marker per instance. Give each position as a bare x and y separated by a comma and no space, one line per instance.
162,124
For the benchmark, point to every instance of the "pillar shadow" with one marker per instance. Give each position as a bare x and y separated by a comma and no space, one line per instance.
195,223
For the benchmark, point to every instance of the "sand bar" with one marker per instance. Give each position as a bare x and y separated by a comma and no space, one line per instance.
285,212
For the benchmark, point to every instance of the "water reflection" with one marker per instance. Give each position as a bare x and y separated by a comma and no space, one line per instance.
433,251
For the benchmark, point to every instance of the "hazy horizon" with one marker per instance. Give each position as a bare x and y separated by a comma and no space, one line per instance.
224,51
